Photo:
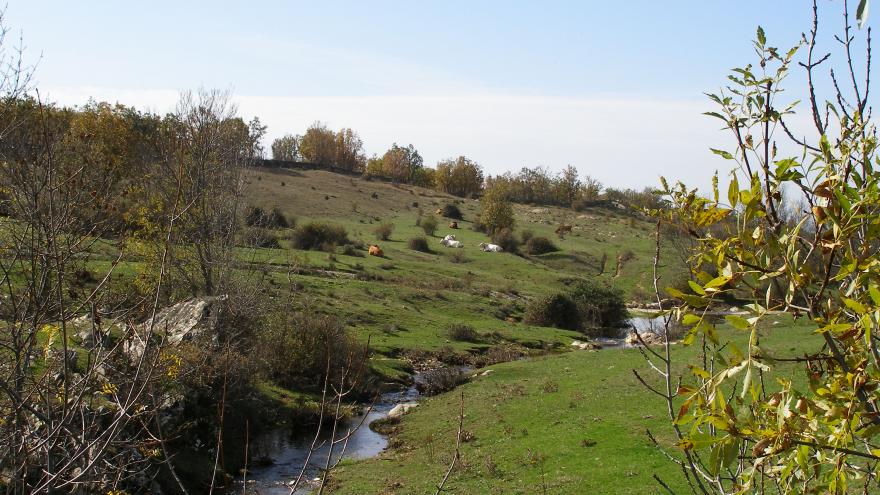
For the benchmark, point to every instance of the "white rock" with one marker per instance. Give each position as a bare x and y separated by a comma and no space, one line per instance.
401,409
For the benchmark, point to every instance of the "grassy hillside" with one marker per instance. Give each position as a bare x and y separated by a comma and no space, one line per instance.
568,423
408,298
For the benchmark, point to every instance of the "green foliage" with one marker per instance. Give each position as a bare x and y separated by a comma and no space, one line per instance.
273,219
301,344
555,310
540,245
318,236
452,211
599,305
462,333
419,244
497,212
505,238
429,225
820,263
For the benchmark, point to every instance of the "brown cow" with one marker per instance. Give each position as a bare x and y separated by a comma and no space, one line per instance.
562,230
453,225
376,251
439,211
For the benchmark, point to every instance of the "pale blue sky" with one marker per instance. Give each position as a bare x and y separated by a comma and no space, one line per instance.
614,88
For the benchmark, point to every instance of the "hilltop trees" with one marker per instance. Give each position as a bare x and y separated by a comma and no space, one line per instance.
343,149
286,148
318,145
460,177
743,425
348,151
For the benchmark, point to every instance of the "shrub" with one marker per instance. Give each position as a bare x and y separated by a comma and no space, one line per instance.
557,310
383,232
525,235
318,236
458,257
254,216
506,240
497,212
440,380
351,250
277,220
260,238
429,225
540,245
462,333
599,305
419,244
273,219
451,211
301,343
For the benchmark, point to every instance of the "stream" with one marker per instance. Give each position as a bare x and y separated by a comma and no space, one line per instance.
286,450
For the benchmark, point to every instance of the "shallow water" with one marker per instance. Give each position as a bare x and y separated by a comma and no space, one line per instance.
289,449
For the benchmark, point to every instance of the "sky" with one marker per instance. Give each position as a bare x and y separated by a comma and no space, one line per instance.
615,89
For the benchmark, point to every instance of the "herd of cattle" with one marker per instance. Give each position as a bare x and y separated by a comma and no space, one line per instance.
448,241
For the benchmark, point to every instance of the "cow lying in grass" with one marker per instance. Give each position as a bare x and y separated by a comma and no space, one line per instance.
376,251
490,248
449,241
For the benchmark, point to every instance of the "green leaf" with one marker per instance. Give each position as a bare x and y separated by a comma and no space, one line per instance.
738,322
724,154
854,305
690,319
875,294
733,192
762,38
862,13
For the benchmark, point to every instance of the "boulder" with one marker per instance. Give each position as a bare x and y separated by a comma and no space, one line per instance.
401,409
585,346
182,322
649,338
188,319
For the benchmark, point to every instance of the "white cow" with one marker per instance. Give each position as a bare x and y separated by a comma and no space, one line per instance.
452,243
448,238
491,248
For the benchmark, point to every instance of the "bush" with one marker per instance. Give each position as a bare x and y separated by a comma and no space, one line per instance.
525,235
260,238
557,310
351,250
318,236
383,232
429,225
506,240
451,211
301,343
440,380
458,257
497,212
277,220
419,244
462,333
540,245
599,306
258,217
